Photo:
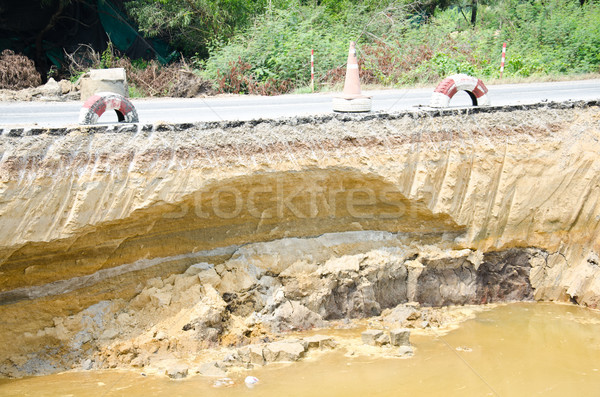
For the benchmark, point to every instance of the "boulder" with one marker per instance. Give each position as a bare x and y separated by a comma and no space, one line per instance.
400,337
320,342
252,354
400,314
211,369
177,371
65,86
405,351
87,364
51,88
284,351
370,337
382,340
291,315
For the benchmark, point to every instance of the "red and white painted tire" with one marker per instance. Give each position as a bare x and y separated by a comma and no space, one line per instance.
100,102
460,82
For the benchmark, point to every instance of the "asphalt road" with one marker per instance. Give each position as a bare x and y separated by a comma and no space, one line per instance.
54,114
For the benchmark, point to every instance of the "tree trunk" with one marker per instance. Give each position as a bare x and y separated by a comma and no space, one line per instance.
473,12
40,61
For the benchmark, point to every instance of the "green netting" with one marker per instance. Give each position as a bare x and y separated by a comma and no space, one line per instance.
124,35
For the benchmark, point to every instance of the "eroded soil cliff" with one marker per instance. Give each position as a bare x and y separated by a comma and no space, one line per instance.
119,248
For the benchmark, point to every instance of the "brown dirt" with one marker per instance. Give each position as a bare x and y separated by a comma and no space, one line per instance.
17,72
176,80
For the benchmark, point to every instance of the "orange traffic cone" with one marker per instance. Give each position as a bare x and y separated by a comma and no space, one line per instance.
352,99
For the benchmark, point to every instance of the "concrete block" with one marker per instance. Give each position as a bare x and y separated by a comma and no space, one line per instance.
104,80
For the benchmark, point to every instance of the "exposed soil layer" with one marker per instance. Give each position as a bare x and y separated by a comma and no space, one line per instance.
135,246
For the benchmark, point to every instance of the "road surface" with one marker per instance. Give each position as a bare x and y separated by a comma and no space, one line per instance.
56,114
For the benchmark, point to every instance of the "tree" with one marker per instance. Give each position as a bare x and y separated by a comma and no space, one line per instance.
57,7
194,25
473,12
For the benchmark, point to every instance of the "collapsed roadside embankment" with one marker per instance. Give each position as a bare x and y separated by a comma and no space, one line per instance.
122,247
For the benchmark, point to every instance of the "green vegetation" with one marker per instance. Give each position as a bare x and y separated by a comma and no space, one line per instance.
263,46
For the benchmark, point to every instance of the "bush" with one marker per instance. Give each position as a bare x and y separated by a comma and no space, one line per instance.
191,25
176,80
17,72
402,43
145,78
276,51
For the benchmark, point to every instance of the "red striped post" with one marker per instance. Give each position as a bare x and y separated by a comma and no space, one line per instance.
312,70
503,58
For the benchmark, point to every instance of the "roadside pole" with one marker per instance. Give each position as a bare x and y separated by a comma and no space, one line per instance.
503,58
312,70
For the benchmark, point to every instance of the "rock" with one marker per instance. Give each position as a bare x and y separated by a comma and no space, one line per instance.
177,371
252,354
155,282
320,342
123,319
405,351
160,299
209,276
139,361
109,333
283,351
400,337
593,259
415,268
292,315
343,266
205,272
223,382
382,340
415,315
211,369
206,320
198,268
65,86
401,313
352,286
124,347
301,341
370,337
151,296
51,88
86,365
184,283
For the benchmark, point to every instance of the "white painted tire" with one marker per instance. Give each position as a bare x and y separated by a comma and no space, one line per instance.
354,105
444,92
100,102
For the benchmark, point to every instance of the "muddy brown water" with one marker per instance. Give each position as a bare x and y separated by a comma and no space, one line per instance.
520,349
